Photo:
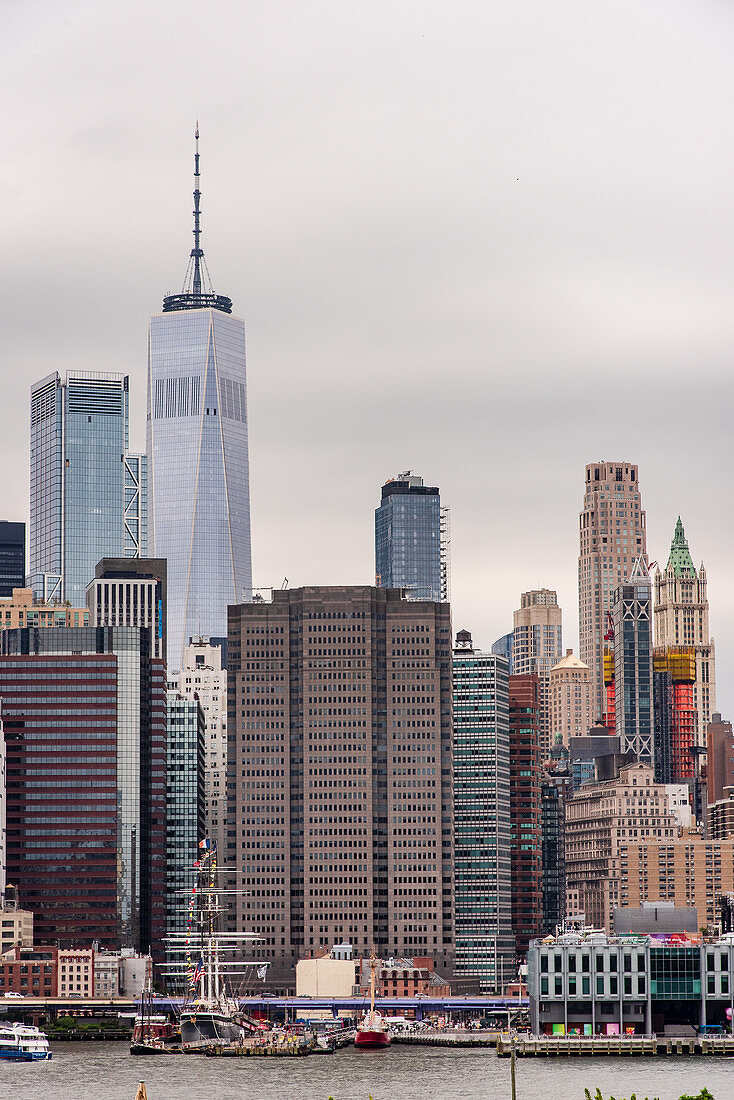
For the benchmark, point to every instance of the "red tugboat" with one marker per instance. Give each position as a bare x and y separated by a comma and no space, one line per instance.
372,1032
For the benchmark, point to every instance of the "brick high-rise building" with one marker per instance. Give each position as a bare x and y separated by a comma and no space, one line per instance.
525,824
687,870
719,758
84,711
537,645
599,818
612,537
340,790
682,619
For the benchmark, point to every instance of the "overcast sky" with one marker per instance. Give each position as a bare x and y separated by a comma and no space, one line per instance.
486,242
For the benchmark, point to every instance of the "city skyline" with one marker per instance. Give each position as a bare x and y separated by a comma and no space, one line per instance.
418,321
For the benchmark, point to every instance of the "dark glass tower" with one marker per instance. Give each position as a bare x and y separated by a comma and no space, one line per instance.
633,664
197,446
12,557
412,539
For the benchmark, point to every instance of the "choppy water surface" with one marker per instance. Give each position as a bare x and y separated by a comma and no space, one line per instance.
105,1071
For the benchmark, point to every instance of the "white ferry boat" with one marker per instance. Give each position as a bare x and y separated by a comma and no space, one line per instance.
23,1043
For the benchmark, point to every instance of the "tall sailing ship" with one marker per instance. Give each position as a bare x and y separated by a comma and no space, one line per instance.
207,959
372,1030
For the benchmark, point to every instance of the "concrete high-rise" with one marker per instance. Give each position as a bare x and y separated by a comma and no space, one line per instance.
412,539
612,536
537,645
131,593
633,664
485,943
202,677
88,491
682,619
340,739
197,446
84,711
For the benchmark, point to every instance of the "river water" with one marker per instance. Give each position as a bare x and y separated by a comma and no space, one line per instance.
106,1071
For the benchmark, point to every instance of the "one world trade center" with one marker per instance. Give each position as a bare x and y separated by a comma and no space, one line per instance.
197,446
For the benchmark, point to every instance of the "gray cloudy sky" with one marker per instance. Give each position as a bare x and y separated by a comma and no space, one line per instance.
488,242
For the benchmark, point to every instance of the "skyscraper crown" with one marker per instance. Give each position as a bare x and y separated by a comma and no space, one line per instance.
197,292
680,560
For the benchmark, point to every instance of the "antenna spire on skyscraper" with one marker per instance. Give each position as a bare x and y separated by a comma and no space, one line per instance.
197,291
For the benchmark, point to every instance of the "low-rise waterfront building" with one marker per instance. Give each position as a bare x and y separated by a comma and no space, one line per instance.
591,984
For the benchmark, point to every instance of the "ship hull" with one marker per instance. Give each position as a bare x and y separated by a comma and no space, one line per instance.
371,1040
201,1030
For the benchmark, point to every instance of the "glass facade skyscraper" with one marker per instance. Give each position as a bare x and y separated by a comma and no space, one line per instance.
633,664
12,557
88,493
485,944
198,462
412,539
185,753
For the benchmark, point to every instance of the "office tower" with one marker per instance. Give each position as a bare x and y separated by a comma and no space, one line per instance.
682,619
719,758
84,710
88,492
632,625
569,699
12,557
339,715
185,825
412,539
525,819
612,537
525,826
599,818
127,592
485,943
202,677
537,645
675,716
553,857
197,447
3,837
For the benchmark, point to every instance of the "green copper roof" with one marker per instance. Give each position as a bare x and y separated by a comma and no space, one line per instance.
680,558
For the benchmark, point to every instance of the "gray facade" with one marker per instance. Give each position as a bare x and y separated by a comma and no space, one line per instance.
88,492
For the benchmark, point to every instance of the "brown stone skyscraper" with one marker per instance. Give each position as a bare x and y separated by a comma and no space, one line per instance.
611,536
341,774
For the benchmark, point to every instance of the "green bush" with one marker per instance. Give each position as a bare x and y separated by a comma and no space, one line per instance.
704,1094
